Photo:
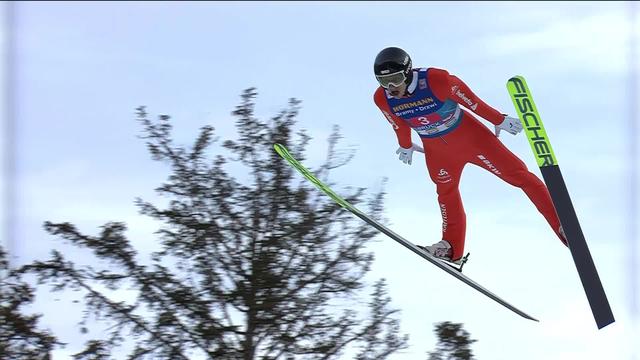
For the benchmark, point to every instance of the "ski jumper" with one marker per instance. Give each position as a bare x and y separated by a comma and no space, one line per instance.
452,137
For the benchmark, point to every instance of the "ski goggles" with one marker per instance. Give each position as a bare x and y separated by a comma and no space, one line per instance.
396,79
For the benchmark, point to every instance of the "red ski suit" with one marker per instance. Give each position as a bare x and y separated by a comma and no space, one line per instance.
452,137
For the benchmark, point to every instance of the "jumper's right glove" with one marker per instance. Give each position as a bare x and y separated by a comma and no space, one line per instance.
406,154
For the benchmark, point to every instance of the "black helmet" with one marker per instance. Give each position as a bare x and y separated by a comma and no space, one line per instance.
393,60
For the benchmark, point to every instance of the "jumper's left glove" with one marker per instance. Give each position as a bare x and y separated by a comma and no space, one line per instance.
509,124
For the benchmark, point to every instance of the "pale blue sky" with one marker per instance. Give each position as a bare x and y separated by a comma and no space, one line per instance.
82,68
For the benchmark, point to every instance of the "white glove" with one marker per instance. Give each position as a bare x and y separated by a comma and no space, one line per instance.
406,154
510,124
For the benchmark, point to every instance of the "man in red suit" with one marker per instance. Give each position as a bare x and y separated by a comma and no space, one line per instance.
429,101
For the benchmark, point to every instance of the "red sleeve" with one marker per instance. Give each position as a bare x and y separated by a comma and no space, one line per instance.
403,131
447,86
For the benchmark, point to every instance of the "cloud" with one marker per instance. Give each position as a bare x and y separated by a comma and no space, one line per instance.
570,327
595,42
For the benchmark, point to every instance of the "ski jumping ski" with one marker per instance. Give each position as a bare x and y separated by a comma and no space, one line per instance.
448,268
539,141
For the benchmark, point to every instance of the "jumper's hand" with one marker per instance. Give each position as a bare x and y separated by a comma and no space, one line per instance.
406,154
510,124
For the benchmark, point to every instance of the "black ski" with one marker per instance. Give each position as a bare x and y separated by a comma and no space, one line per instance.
548,164
448,268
